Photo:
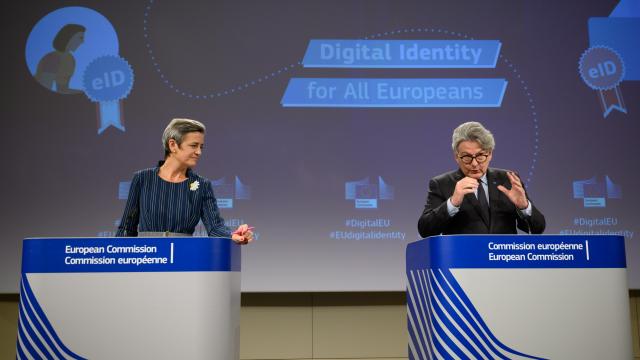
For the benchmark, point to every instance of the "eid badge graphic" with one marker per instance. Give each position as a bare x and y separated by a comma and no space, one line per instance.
107,80
602,69
66,51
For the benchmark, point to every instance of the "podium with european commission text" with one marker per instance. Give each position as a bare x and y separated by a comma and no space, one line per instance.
129,298
518,297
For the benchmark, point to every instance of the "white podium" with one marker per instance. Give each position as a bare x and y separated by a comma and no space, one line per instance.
129,298
518,297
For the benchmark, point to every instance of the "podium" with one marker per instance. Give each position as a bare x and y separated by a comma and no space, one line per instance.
129,298
518,297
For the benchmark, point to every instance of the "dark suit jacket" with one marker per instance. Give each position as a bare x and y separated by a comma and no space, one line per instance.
505,219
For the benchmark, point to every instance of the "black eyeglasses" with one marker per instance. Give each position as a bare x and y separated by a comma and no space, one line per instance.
468,159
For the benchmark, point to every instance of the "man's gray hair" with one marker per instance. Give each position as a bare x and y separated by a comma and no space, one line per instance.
177,129
473,131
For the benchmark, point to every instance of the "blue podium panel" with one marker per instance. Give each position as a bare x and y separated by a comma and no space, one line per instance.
129,298
518,297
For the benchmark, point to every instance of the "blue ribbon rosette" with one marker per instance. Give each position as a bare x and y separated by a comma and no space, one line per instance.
602,69
107,81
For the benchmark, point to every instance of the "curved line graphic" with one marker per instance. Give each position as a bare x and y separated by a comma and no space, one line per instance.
458,289
457,326
37,326
446,307
232,90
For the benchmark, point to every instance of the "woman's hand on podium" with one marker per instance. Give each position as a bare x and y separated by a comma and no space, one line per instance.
243,234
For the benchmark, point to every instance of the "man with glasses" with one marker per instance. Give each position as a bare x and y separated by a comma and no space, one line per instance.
476,199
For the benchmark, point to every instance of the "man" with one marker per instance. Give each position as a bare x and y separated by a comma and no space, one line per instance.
476,199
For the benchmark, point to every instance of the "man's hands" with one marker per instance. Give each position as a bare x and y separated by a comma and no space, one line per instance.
516,194
465,186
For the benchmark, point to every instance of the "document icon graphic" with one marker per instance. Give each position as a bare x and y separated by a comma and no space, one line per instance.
226,193
594,193
243,192
123,190
366,194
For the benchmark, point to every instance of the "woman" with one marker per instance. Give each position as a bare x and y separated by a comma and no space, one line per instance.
170,200
56,68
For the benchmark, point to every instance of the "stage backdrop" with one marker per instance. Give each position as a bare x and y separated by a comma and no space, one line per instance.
325,119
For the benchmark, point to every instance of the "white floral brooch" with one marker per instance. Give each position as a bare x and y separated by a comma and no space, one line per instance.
194,185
